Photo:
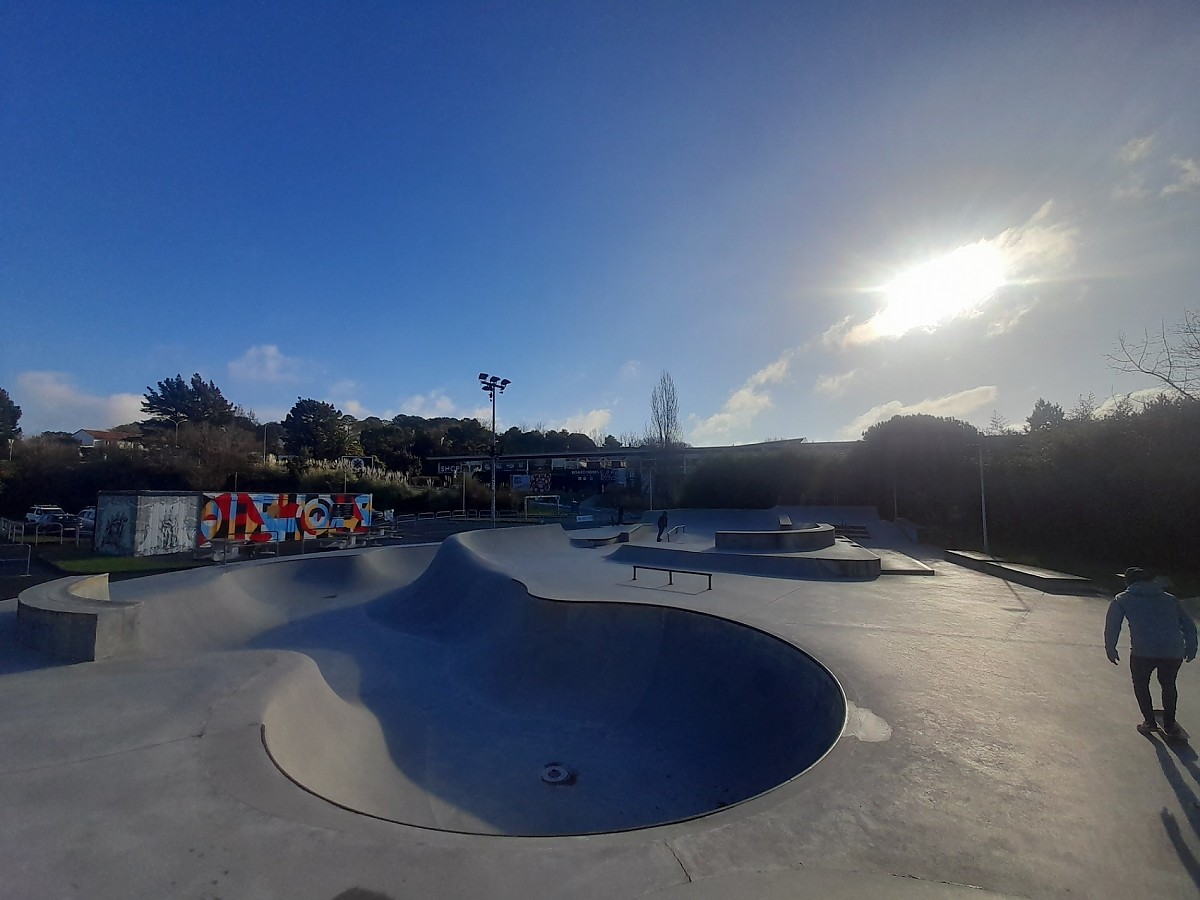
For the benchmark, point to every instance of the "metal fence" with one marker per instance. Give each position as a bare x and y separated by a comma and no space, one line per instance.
15,556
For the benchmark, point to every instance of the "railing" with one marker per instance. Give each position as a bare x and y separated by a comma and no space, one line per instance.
671,572
49,528
678,529
13,529
13,555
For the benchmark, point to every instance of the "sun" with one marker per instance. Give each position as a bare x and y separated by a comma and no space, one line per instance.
942,289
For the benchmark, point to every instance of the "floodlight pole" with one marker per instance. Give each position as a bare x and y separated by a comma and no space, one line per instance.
983,501
493,384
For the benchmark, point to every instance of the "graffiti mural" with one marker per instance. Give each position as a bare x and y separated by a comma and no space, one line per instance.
281,517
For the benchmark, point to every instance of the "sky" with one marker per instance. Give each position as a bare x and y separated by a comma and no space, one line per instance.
813,216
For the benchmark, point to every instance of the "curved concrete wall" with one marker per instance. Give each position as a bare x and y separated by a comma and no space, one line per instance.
802,537
74,620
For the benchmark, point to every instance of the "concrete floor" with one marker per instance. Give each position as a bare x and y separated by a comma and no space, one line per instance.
989,747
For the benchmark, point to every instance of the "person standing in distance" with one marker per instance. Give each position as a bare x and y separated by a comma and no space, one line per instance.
662,524
1161,636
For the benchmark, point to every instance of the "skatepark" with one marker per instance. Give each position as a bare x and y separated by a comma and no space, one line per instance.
798,702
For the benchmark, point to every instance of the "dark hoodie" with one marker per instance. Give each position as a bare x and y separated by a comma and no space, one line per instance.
1159,626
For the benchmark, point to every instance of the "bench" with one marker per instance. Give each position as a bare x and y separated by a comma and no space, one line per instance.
671,572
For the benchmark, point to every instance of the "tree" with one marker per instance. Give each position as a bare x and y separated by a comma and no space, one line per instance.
10,414
196,402
317,429
1084,409
664,413
1172,356
1045,415
922,467
997,424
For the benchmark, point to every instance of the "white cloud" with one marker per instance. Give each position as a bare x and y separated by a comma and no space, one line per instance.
1145,395
1187,179
265,363
432,405
1136,149
1131,188
834,385
1146,171
342,395
586,423
483,415
49,401
742,406
986,275
956,406
1038,246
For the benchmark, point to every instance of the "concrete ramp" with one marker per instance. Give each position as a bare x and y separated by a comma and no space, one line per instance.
229,607
473,706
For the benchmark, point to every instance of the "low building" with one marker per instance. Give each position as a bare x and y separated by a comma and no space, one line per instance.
94,438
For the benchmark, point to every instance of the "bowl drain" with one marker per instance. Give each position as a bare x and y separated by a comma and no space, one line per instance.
557,773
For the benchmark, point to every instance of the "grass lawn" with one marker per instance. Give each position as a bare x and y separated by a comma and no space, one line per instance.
84,561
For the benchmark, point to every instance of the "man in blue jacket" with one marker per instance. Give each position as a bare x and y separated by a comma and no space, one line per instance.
1161,636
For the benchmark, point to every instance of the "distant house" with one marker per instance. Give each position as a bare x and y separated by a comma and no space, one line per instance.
90,438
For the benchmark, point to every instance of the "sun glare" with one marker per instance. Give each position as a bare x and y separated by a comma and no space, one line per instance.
940,290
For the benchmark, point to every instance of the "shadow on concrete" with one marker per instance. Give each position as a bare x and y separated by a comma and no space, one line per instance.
14,656
1175,758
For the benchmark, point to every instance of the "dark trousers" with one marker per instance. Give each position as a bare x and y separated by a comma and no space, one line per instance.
1140,668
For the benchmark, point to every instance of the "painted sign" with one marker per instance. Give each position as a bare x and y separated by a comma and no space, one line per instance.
281,517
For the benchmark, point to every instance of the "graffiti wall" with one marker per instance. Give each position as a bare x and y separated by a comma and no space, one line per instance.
146,524
115,518
281,517
165,524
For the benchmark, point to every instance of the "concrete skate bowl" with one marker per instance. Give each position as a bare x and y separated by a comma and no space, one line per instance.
472,706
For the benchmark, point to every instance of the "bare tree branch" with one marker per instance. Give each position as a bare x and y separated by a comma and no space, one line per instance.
1172,356
664,413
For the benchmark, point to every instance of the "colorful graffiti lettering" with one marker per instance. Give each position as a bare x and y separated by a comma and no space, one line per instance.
281,517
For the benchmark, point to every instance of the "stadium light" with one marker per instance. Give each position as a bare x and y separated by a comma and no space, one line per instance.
493,384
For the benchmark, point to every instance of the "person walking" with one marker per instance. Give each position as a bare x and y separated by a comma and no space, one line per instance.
662,524
1161,636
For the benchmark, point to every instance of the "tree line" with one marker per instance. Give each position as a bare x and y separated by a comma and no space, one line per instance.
194,438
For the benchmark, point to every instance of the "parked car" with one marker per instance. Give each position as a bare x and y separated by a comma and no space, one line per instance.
64,520
38,512
87,517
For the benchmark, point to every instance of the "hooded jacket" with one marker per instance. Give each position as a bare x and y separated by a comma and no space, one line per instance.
1159,626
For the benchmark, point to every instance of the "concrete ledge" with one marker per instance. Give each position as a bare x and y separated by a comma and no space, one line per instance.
846,561
787,540
1031,576
73,619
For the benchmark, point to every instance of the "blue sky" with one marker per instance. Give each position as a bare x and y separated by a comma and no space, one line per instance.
814,216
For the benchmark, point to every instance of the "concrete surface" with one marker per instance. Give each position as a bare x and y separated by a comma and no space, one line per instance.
988,746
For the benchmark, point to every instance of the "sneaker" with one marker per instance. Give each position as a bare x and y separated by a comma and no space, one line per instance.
1147,728
1172,730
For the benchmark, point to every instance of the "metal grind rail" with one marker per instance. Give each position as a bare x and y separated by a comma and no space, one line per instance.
672,572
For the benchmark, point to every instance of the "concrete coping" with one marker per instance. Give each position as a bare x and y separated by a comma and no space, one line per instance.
75,620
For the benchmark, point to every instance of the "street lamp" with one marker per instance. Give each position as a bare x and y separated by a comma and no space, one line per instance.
493,384
176,418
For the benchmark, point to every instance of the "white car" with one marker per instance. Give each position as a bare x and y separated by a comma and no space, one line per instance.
37,513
